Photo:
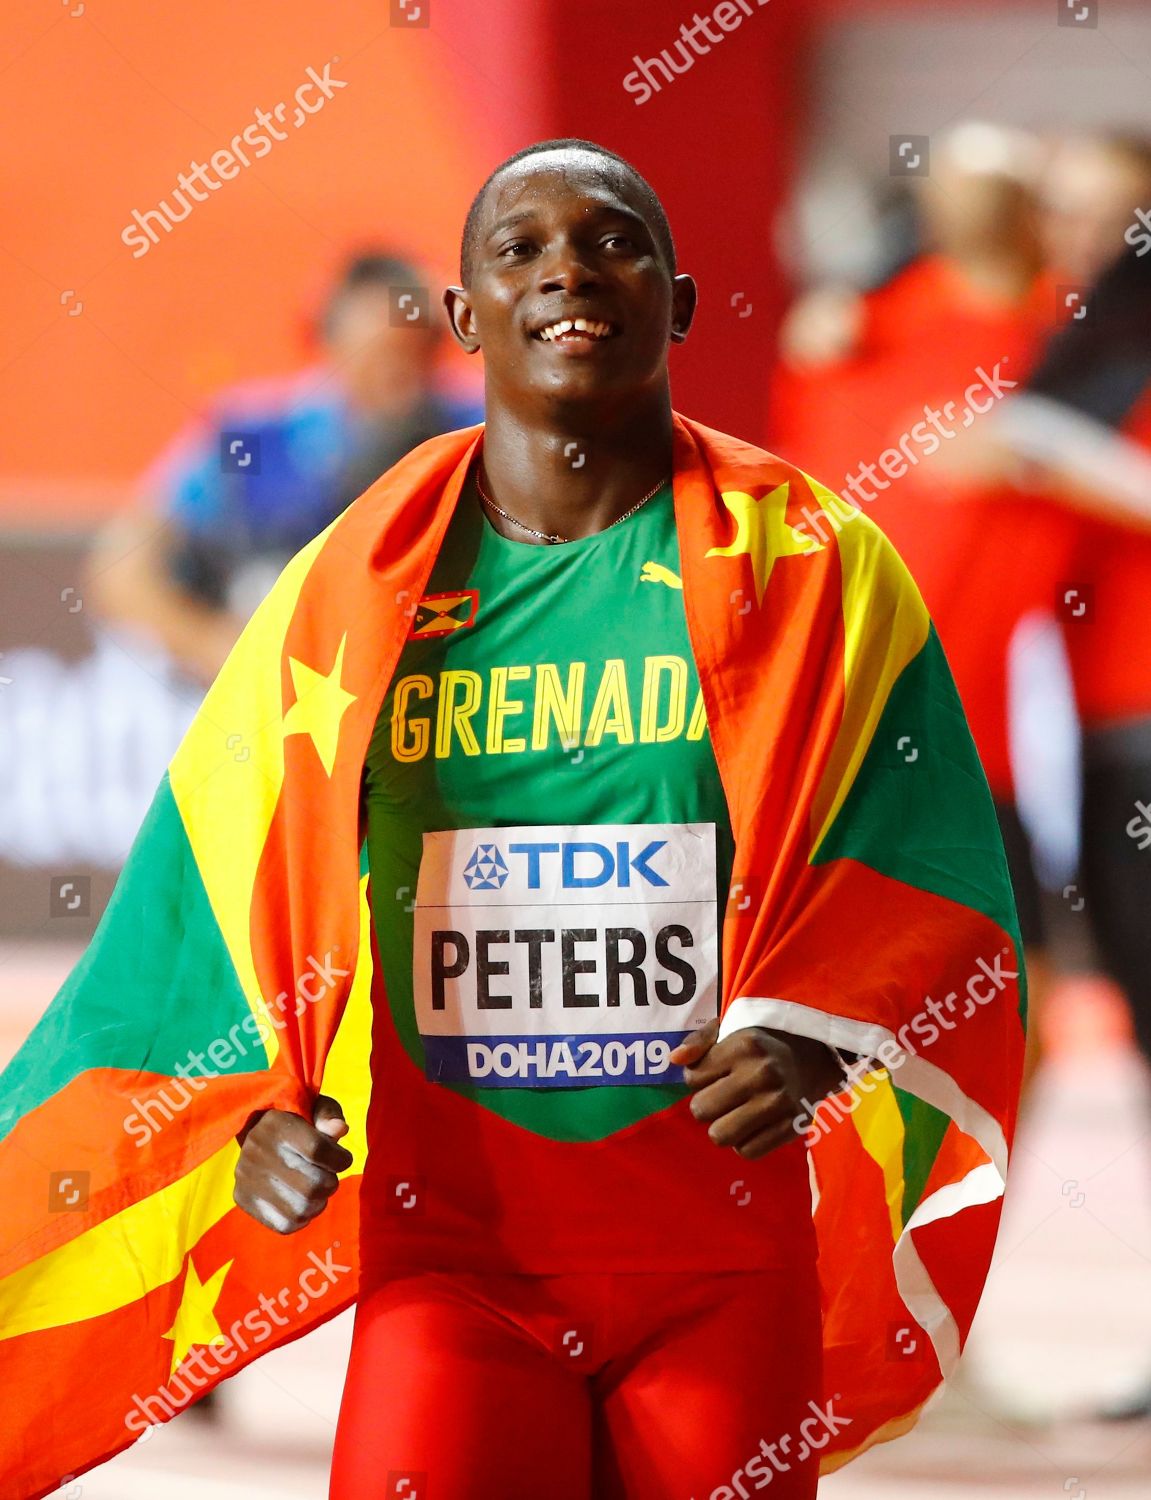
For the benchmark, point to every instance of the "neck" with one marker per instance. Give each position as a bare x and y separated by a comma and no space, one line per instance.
571,475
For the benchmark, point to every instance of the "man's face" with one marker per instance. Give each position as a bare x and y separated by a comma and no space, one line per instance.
384,365
560,239
972,212
1092,194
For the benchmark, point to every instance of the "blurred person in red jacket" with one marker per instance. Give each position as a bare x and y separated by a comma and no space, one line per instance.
882,386
1043,501
1079,435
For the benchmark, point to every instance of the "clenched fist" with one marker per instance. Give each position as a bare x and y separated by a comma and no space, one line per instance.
289,1168
752,1087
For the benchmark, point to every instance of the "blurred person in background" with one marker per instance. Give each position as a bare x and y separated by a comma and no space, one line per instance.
877,387
1079,435
271,464
1042,504
239,492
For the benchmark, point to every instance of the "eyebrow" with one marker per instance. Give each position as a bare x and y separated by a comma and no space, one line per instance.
603,210
508,221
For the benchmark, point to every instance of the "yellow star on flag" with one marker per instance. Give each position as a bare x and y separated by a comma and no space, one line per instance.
763,533
321,702
196,1316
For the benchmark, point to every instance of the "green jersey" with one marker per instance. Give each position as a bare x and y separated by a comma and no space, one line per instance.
548,847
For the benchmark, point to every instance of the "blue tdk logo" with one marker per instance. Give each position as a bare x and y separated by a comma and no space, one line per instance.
486,870
584,864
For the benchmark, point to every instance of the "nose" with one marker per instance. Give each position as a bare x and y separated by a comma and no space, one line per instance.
566,269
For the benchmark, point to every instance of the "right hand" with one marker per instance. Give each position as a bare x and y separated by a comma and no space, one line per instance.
288,1168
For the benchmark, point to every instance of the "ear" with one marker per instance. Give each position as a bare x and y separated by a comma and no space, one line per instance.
458,306
684,296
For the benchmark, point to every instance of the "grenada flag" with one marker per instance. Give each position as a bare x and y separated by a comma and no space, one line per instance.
231,972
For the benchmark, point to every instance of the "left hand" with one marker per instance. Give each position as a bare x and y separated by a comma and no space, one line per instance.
750,1088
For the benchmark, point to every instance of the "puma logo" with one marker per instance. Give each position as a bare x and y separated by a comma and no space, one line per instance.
654,572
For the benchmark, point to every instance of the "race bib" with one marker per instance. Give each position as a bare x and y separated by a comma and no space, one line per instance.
564,956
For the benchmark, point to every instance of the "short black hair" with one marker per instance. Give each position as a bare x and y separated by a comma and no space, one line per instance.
660,228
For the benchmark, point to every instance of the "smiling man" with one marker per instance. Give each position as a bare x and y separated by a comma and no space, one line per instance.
595,1297
524,1070
646,845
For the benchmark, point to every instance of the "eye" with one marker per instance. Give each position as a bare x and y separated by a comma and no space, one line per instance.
620,239
514,248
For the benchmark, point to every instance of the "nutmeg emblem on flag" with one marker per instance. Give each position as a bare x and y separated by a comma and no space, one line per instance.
440,614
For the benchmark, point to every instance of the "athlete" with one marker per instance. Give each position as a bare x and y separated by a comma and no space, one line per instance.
515,1337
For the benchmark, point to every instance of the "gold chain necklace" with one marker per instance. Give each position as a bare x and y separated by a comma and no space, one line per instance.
545,536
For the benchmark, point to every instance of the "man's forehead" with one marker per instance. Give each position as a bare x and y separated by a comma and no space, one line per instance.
583,175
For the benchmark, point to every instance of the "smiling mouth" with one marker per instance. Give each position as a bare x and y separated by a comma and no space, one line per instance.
575,330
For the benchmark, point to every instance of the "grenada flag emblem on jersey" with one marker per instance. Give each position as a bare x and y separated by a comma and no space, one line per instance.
440,614
232,970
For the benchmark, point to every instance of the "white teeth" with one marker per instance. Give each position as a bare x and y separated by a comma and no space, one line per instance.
575,325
